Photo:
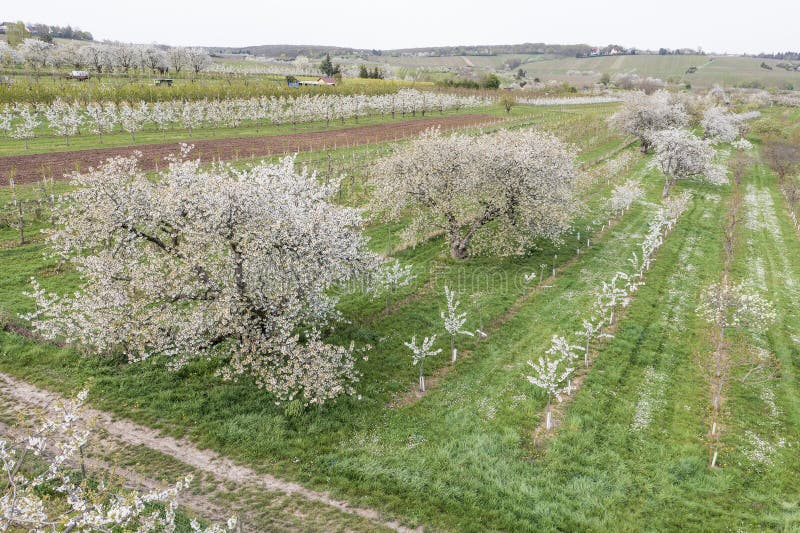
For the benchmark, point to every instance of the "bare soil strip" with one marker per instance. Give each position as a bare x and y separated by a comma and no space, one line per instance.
205,461
32,168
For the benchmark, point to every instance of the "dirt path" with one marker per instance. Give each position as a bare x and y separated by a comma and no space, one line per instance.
31,168
206,461
197,503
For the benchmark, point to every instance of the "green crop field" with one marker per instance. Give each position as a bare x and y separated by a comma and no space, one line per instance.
630,448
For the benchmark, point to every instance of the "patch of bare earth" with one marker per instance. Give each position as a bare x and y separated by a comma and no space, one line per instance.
31,168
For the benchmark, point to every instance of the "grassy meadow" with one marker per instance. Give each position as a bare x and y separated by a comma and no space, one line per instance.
630,450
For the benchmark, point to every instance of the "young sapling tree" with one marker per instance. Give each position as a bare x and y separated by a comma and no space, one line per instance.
393,276
560,349
420,353
549,375
27,122
453,320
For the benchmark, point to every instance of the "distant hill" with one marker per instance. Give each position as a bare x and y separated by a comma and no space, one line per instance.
697,70
290,51
493,50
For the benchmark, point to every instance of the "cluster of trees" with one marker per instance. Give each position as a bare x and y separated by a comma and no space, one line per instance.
642,115
19,31
490,81
328,68
787,56
632,81
118,58
60,32
374,74
453,323
660,121
67,119
568,50
575,100
553,372
239,265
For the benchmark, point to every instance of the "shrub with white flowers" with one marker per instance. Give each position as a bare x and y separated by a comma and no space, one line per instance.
26,124
624,195
64,119
735,305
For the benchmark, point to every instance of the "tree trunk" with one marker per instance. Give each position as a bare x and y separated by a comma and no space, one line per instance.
586,353
665,190
20,222
548,418
421,378
453,347
458,248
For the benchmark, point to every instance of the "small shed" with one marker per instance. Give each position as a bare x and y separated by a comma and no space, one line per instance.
167,82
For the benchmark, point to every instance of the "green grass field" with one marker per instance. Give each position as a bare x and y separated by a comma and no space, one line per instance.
630,452
723,70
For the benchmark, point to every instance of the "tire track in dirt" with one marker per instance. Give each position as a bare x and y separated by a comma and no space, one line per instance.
31,168
207,461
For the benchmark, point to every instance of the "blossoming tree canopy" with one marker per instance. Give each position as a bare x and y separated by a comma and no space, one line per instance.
211,261
680,155
642,114
493,193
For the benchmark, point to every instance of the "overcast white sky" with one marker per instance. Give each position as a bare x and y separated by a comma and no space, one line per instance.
720,26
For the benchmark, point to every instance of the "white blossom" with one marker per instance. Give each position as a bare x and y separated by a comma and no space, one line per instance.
495,193
735,305
642,115
680,155
204,262
549,375
624,195
393,275
64,119
27,122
